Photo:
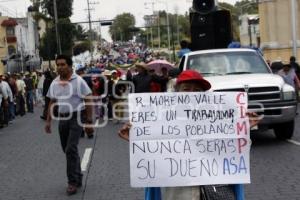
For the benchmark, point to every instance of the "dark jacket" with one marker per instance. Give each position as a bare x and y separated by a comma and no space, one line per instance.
142,82
29,84
47,82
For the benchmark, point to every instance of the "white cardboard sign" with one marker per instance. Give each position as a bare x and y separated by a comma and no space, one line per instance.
185,139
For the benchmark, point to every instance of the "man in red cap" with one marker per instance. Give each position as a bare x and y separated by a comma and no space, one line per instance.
191,81
187,81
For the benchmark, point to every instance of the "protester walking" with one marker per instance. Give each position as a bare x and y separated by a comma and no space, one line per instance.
295,66
20,98
72,95
184,48
290,77
3,104
14,89
10,100
46,85
29,92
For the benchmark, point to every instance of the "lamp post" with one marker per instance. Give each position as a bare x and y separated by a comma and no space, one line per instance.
294,9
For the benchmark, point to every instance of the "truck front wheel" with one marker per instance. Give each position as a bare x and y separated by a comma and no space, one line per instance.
285,130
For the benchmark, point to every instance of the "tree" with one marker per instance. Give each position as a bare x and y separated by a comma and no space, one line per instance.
120,29
67,31
80,34
48,45
64,8
82,47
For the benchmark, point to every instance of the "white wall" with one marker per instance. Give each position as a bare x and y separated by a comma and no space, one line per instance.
26,34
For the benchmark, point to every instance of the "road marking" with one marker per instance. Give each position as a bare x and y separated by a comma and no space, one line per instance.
86,159
293,142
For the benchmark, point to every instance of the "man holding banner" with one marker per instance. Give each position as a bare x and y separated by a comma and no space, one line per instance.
180,141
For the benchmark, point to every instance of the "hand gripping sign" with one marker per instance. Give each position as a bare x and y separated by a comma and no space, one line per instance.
185,139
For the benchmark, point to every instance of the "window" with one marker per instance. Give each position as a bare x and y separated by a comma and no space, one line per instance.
182,63
11,50
10,31
213,64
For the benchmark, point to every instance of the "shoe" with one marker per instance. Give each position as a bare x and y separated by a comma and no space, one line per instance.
91,136
71,189
43,118
82,134
79,183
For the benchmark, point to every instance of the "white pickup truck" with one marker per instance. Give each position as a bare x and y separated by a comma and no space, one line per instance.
246,70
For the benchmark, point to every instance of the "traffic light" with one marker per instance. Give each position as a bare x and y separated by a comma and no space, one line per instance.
134,29
106,23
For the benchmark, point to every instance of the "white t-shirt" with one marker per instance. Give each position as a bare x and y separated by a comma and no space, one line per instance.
69,94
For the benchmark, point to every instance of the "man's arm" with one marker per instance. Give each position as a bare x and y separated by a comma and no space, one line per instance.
296,80
49,117
89,115
88,109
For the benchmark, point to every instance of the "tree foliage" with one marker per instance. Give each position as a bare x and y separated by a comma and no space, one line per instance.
82,47
48,48
247,7
64,8
120,29
67,31
80,33
179,28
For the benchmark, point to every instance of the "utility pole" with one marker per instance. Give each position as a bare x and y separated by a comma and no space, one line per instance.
90,24
151,20
177,24
100,36
56,27
168,23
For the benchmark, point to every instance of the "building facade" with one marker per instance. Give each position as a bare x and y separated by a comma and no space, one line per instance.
8,41
28,42
276,29
249,30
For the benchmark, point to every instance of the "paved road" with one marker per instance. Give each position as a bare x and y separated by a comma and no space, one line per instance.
32,165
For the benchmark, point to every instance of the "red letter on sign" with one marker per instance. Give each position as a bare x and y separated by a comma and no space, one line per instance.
241,127
239,98
243,111
241,143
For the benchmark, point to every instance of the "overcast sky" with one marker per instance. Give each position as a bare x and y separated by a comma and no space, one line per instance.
106,9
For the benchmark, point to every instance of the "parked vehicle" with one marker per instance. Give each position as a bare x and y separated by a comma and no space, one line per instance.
246,70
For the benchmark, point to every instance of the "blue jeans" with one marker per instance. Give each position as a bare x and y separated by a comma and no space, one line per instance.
29,100
12,111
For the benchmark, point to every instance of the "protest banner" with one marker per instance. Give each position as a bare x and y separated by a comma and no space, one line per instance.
185,139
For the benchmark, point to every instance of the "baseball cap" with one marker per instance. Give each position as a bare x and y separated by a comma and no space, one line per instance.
192,75
79,67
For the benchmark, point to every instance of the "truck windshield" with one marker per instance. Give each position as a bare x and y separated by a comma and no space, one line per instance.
226,63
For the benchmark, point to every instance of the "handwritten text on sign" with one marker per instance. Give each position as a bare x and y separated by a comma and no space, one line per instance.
182,139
